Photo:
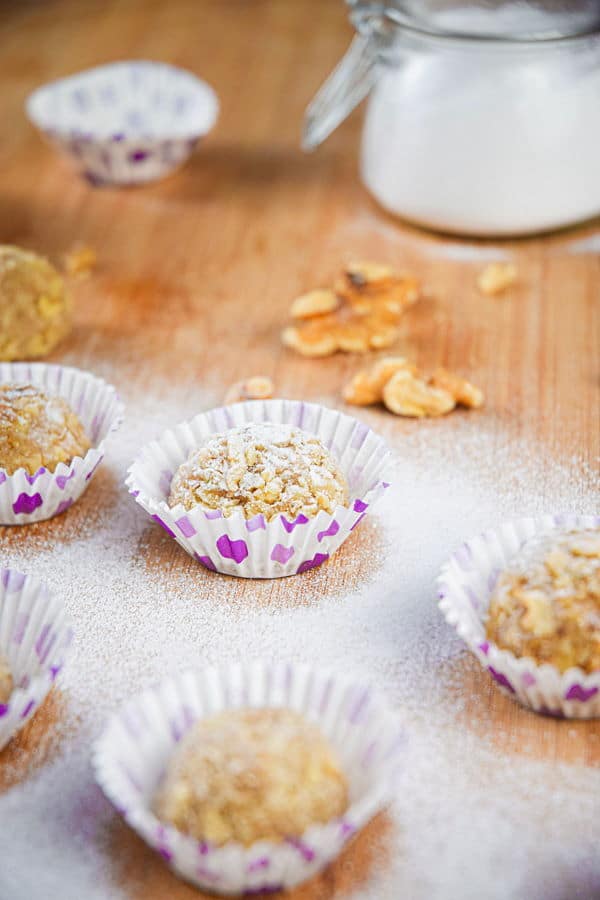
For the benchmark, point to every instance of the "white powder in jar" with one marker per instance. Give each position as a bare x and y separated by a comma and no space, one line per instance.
481,140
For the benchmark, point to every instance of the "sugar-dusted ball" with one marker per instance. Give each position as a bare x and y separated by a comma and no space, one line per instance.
261,468
37,430
247,775
546,605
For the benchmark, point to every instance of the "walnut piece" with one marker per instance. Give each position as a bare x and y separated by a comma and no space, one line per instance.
464,393
314,303
256,387
362,313
406,394
497,277
366,387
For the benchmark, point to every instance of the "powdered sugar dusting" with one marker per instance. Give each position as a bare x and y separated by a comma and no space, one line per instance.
473,817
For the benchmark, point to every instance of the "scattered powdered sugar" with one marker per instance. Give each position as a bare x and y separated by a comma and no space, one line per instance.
475,815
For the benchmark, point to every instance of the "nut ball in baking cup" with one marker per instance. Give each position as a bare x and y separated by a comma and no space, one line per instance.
127,122
130,759
257,548
32,497
34,638
465,586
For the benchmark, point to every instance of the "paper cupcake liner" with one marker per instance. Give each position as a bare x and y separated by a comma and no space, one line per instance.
464,589
255,548
127,122
26,498
34,639
131,756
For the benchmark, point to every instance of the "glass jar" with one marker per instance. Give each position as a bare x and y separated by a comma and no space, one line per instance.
483,118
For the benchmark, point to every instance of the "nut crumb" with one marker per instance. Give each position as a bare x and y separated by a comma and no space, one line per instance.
496,278
256,387
406,394
80,261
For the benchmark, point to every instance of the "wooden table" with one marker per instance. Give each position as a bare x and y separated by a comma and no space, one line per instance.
196,274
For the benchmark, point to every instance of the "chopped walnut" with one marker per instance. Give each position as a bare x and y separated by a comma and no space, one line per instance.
361,314
497,277
464,393
80,261
314,303
406,394
257,387
366,387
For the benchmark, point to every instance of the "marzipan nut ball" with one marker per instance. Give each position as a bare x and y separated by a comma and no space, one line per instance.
248,775
37,430
35,310
261,468
546,605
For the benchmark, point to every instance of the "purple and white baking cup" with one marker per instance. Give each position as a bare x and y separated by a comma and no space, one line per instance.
131,756
34,638
26,498
257,548
464,589
126,122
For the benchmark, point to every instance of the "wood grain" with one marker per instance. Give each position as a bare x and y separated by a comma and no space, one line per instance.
212,256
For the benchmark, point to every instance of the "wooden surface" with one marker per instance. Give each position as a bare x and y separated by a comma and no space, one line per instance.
196,273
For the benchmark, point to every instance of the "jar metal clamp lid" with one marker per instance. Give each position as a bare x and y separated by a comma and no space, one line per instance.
382,26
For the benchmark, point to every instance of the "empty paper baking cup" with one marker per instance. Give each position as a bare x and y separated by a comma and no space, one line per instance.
26,498
257,548
34,638
465,585
127,122
131,755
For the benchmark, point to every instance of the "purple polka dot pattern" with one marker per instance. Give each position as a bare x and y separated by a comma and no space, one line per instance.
289,526
12,580
501,679
63,480
330,531
256,523
63,506
186,527
31,479
317,560
464,587
164,525
578,692
235,550
282,554
206,562
26,504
